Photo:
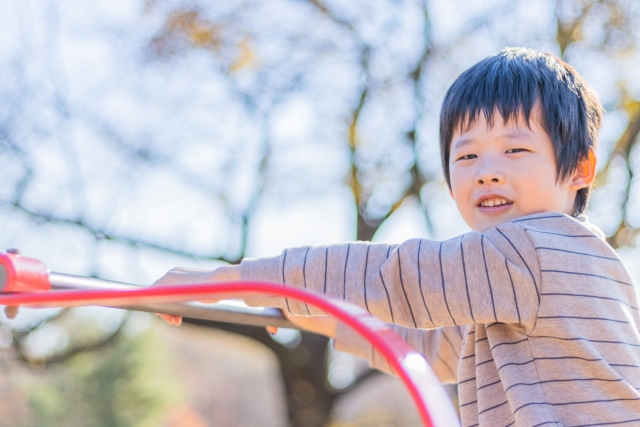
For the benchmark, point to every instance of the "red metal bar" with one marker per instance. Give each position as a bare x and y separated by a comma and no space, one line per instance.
22,274
23,280
410,366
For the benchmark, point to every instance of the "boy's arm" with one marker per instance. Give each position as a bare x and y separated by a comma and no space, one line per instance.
475,278
441,347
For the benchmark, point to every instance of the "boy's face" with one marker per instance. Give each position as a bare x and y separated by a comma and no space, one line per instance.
507,171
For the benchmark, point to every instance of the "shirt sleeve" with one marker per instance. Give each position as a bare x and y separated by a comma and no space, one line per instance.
441,347
422,284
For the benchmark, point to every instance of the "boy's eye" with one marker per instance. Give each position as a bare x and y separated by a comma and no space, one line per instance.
467,157
516,150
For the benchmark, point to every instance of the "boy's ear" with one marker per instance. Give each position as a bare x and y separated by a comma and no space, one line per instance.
585,173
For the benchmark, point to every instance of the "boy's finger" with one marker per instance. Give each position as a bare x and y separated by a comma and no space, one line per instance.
171,319
11,311
210,301
272,330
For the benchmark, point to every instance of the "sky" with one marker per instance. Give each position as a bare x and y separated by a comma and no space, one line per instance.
165,150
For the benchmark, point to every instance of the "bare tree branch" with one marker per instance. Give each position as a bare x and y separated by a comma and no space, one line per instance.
568,32
624,145
101,234
625,235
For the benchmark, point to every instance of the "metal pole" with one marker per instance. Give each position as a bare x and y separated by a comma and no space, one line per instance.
223,311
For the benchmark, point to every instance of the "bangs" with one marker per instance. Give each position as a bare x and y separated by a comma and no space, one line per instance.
492,109
509,83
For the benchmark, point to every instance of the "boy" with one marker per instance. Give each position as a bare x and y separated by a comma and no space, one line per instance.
534,307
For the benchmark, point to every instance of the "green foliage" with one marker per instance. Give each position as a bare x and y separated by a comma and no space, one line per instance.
128,384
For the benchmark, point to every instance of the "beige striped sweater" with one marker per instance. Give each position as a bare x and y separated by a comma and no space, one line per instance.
536,320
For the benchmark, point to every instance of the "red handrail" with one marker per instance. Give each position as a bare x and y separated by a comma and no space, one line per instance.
410,366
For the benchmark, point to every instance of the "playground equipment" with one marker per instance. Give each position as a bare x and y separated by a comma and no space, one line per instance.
27,282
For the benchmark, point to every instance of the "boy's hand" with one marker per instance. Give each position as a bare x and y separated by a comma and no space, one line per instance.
11,311
183,276
323,325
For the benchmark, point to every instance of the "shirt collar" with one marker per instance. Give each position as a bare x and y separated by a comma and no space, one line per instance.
592,227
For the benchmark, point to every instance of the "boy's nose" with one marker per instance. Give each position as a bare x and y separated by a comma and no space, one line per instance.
487,177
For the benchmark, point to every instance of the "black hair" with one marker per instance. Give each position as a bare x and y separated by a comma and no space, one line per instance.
512,82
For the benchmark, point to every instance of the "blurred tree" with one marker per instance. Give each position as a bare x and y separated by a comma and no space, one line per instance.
606,30
125,385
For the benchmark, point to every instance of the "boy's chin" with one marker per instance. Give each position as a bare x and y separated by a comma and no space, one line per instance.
483,223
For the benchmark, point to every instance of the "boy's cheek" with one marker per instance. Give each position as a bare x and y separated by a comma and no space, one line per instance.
466,209
460,190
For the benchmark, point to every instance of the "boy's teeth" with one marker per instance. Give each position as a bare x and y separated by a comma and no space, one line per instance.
493,202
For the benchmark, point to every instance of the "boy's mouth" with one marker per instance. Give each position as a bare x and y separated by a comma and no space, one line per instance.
494,204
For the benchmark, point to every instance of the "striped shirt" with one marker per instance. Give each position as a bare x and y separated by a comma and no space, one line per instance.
536,320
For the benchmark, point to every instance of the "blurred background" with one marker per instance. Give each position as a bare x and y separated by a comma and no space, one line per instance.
136,136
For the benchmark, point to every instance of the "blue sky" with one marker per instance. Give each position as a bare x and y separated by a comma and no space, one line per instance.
82,100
